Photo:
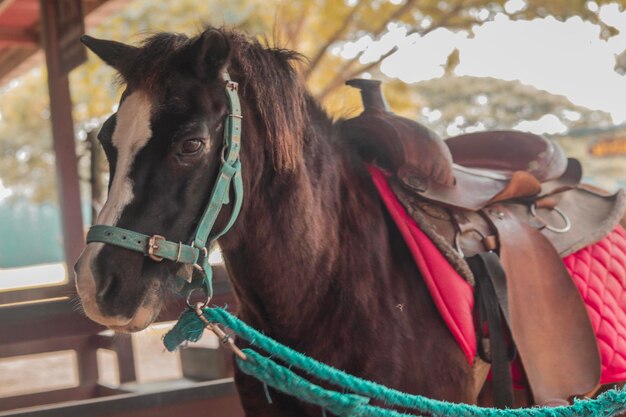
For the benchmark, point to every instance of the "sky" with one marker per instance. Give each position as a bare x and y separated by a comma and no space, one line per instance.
566,58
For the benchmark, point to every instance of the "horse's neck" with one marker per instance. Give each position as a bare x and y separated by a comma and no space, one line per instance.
304,238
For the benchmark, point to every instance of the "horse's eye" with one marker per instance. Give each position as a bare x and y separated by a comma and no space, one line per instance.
191,146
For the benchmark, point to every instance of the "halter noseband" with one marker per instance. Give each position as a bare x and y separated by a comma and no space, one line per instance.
157,247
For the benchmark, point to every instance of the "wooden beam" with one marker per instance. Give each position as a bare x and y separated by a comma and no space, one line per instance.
211,399
44,398
19,37
25,295
63,137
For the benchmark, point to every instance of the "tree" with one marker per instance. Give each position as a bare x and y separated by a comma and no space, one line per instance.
343,39
453,105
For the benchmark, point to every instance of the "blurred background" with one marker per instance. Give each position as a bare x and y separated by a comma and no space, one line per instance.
554,67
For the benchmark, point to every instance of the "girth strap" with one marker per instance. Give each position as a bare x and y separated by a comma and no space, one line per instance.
491,298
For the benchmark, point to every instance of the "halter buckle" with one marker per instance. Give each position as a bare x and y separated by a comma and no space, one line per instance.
153,245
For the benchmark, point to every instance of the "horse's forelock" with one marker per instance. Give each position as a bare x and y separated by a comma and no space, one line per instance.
269,82
153,63
279,96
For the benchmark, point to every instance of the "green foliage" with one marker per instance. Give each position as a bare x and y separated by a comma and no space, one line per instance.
317,28
26,141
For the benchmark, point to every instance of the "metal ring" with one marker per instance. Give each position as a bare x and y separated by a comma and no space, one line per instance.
204,304
564,229
180,250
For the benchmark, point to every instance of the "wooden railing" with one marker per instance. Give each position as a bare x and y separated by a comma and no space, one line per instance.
57,325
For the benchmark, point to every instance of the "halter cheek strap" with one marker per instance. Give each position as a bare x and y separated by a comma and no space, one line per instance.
157,247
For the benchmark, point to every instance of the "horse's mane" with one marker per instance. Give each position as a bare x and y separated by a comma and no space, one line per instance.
267,78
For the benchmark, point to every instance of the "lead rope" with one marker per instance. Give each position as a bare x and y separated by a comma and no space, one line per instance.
356,400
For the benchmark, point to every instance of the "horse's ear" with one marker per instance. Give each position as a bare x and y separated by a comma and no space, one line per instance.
208,54
113,53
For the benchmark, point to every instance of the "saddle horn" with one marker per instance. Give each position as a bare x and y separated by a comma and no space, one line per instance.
371,94
396,143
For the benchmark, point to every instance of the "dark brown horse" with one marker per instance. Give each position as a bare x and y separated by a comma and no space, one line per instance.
315,261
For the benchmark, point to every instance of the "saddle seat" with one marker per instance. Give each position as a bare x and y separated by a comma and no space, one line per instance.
499,154
510,194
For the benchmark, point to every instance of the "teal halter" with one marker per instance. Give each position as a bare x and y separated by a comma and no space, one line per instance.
157,247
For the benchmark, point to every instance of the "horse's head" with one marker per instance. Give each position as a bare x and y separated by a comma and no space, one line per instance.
163,145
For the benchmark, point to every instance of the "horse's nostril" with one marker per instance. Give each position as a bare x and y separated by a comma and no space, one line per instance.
109,286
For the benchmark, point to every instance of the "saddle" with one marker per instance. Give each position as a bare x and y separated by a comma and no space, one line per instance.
504,207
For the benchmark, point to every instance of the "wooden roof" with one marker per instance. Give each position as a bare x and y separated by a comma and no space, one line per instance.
20,44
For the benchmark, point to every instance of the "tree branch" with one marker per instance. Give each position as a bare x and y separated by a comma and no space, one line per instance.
442,22
371,65
339,80
344,74
395,15
332,39
296,28
341,74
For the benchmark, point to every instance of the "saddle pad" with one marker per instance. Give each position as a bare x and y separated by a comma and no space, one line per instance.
599,272
452,295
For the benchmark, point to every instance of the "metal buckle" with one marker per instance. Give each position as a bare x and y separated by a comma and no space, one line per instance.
153,245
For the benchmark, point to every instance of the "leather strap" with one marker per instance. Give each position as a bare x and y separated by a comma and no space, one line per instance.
231,170
487,271
139,242
548,320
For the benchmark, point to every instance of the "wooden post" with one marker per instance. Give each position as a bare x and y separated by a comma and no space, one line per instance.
62,132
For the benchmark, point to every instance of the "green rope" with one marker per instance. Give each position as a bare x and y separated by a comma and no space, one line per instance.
190,327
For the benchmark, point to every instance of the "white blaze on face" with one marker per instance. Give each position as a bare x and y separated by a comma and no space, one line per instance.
132,132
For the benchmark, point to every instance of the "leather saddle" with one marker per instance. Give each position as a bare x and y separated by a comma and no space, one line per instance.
511,194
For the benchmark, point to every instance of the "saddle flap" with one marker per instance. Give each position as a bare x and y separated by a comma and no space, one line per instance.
548,319
591,215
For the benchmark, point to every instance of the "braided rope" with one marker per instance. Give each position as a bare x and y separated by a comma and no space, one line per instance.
189,327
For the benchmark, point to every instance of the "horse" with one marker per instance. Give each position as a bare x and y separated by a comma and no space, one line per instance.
314,259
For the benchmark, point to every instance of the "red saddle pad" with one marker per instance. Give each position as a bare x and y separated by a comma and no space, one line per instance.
598,270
